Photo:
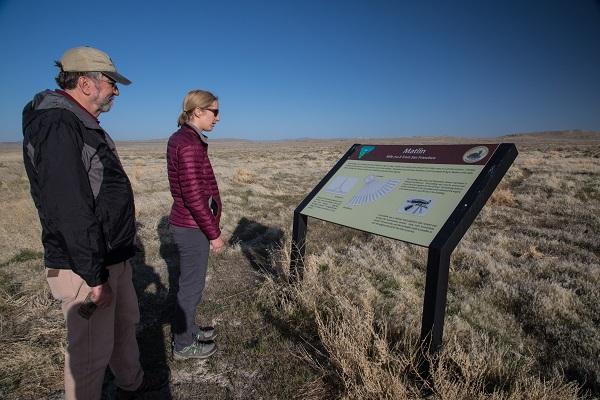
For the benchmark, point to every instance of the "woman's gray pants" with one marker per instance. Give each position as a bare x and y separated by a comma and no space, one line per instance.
193,246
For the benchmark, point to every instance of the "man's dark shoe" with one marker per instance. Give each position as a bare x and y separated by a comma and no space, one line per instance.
150,383
206,334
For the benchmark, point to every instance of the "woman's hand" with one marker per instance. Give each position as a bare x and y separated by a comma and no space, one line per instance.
217,245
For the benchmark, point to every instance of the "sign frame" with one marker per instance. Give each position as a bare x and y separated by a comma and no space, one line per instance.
440,248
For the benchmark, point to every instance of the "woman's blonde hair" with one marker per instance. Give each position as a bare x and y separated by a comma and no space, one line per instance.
193,100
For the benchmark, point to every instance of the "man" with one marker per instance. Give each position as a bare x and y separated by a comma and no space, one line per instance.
85,204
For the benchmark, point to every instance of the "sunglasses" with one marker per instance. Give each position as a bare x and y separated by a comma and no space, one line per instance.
109,81
215,111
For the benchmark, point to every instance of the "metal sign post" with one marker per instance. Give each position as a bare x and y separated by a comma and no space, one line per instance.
298,246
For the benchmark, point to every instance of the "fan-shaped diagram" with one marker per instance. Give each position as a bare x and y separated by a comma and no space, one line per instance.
372,190
341,185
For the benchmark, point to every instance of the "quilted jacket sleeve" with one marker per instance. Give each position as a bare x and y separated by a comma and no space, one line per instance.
193,180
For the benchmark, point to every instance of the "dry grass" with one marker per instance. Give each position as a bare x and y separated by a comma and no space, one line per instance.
522,319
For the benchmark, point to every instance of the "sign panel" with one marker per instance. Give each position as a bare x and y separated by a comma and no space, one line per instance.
400,191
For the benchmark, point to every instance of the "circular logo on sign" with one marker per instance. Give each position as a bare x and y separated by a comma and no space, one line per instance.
475,154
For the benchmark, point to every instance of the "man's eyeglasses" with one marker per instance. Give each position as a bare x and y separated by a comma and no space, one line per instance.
215,111
109,81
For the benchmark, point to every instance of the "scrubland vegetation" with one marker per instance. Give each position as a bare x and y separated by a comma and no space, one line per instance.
522,320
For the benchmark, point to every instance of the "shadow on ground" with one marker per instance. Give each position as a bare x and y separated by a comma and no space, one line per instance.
258,243
250,337
262,246
155,304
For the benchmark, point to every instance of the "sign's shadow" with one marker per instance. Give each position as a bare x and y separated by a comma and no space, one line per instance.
259,244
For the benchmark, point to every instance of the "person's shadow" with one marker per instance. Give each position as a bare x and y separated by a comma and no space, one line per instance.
154,310
174,315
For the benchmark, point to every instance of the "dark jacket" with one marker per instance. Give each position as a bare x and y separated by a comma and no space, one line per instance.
196,200
82,194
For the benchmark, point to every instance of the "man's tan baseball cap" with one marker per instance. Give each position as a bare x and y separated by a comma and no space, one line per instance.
89,59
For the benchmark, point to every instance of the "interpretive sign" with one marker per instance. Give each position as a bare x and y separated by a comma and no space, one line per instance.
402,192
427,195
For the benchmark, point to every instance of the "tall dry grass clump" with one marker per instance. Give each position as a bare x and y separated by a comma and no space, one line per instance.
362,353
243,176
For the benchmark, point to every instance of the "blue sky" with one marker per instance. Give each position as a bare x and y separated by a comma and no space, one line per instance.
290,69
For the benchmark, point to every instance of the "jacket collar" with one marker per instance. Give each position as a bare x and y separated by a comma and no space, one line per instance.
68,96
57,99
198,132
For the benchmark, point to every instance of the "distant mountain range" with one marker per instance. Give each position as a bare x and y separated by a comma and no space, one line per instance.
567,135
574,134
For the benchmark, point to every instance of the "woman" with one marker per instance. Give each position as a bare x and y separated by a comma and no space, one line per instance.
194,219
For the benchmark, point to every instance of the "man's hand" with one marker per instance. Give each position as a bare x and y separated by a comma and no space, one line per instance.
217,244
102,295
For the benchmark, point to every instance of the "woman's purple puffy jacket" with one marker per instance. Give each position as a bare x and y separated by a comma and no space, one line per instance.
196,200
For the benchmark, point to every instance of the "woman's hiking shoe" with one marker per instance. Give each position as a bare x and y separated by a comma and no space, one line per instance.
206,334
197,350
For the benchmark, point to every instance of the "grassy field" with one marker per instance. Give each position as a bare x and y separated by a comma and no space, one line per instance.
522,320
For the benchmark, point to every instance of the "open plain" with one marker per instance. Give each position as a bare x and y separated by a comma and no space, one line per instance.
522,320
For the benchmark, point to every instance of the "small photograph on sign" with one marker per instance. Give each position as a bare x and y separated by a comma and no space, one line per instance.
475,154
372,190
341,185
416,206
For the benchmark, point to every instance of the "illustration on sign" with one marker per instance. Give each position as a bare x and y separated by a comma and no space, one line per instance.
475,154
416,206
341,185
372,190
